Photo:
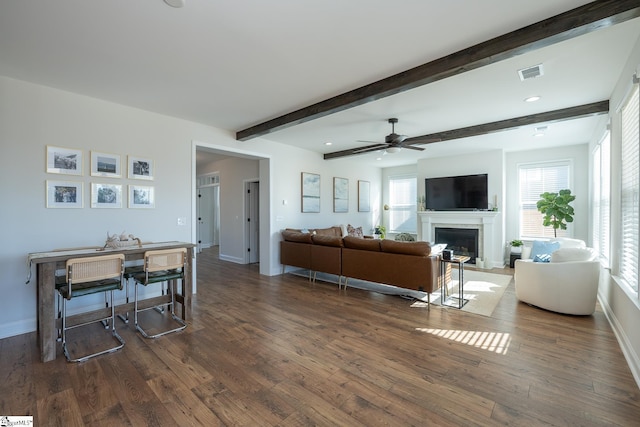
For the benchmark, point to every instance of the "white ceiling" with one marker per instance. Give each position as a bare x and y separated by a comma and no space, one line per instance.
233,64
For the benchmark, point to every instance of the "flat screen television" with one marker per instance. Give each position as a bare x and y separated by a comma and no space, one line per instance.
456,193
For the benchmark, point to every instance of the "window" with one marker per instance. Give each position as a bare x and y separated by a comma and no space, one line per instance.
629,186
403,217
601,197
533,180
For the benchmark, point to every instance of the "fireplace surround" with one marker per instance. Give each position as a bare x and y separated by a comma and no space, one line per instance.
462,241
486,222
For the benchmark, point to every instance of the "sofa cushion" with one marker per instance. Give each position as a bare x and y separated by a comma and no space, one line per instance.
329,231
406,248
354,232
363,244
326,240
296,236
572,254
543,248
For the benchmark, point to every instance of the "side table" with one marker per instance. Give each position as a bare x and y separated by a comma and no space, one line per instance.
451,300
512,259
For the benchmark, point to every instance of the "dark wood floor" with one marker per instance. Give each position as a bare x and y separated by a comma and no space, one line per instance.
280,351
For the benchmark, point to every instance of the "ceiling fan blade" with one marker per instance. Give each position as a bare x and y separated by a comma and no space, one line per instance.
411,147
419,140
370,142
370,148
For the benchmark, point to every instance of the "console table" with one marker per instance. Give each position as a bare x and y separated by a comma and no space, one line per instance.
48,262
453,301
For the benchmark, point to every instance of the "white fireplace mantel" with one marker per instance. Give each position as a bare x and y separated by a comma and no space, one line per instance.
483,220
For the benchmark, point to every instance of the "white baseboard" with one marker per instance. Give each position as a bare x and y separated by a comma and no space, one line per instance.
236,260
627,349
18,328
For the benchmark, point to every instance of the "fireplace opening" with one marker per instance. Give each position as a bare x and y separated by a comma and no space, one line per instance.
462,241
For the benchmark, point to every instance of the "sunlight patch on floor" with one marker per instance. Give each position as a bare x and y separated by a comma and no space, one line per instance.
496,342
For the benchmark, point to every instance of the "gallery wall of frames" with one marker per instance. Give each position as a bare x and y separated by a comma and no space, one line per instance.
107,188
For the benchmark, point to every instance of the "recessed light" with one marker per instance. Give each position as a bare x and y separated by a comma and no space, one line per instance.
378,158
538,134
328,143
532,98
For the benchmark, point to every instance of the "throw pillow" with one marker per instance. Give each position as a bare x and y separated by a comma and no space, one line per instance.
572,254
543,248
542,258
354,232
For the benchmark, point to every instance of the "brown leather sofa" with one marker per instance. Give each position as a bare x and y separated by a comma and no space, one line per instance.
408,265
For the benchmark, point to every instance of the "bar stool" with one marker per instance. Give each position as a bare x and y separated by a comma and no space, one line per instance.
86,276
167,265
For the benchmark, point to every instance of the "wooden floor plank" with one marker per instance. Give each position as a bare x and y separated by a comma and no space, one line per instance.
281,351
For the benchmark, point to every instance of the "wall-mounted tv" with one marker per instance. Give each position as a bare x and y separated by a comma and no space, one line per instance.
455,193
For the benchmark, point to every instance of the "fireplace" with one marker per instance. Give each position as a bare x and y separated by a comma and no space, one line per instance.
463,241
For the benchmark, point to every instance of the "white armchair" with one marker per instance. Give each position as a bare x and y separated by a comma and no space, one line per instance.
568,284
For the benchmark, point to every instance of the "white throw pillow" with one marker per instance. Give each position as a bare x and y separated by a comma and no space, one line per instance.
566,242
572,254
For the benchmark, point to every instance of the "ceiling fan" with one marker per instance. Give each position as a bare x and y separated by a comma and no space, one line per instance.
392,142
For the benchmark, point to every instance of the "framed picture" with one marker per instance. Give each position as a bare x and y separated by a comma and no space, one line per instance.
64,194
141,197
105,165
310,192
106,195
64,160
340,194
363,196
140,168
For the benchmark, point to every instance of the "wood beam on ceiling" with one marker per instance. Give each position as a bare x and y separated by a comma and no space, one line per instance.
576,22
596,108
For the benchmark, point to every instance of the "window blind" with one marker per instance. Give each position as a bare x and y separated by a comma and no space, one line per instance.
602,197
533,180
403,217
630,186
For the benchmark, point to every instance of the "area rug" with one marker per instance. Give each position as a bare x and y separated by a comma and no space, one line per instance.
483,290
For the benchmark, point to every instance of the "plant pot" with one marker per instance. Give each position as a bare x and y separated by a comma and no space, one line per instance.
516,249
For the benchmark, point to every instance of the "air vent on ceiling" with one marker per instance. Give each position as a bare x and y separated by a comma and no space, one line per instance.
531,72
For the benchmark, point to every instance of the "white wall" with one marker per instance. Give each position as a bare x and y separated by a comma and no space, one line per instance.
578,155
620,305
34,116
489,162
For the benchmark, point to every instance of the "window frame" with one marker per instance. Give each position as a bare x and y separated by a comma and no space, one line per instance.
411,208
541,165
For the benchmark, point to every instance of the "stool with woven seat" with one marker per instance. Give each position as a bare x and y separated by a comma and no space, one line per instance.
87,276
160,266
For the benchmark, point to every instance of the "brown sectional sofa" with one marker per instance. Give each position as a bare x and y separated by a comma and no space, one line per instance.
408,265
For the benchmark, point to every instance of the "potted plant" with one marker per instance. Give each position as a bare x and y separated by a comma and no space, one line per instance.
381,231
516,246
556,209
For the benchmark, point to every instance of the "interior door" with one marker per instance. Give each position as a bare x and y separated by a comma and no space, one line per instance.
253,221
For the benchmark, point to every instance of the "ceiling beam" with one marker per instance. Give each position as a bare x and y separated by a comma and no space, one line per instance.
555,116
576,22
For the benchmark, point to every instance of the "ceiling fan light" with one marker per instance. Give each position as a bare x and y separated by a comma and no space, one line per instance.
392,150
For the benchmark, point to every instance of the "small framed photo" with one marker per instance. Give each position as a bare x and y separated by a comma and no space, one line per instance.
106,195
64,160
142,197
105,165
364,204
140,168
64,194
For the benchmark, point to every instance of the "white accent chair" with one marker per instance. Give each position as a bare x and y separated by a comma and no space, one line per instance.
567,284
